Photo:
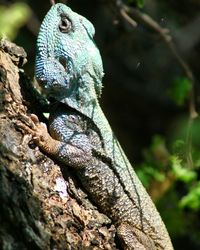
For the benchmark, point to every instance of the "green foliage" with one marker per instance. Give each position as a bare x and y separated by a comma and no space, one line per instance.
160,160
195,132
148,172
182,151
155,160
179,90
181,146
173,216
139,3
180,172
12,18
178,145
192,199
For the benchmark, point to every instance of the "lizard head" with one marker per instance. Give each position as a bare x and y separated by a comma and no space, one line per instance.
68,63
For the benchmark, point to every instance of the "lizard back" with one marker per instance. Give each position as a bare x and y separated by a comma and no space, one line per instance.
69,68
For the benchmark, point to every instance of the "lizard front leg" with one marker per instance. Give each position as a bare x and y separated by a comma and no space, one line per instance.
69,146
133,238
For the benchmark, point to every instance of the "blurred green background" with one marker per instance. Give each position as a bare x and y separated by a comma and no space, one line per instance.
145,97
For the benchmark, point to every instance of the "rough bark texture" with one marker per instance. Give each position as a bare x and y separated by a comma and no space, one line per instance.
41,204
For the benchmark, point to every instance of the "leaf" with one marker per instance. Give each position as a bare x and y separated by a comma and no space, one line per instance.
180,89
140,3
12,18
192,199
182,173
178,145
147,173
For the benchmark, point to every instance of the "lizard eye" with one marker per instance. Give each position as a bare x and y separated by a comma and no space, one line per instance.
65,24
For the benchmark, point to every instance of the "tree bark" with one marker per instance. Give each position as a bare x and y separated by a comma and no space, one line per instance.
42,206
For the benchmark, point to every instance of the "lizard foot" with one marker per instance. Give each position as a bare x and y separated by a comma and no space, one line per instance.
133,238
39,132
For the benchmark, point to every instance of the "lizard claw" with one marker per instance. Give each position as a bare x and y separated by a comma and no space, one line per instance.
24,127
39,132
33,126
34,118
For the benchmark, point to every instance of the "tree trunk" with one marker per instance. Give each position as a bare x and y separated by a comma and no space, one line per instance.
42,205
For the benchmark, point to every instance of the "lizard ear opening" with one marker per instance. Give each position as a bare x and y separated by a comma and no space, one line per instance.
65,24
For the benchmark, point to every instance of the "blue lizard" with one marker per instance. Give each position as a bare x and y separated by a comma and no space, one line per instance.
69,69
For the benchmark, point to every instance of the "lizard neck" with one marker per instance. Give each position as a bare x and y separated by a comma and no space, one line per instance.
85,101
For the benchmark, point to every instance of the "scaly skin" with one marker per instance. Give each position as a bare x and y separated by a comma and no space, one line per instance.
69,68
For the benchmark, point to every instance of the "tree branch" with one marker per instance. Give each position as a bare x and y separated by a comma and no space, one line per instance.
42,205
134,16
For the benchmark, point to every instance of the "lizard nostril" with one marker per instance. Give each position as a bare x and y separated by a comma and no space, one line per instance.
63,62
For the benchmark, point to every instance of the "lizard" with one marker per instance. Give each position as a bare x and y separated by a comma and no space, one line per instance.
69,69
